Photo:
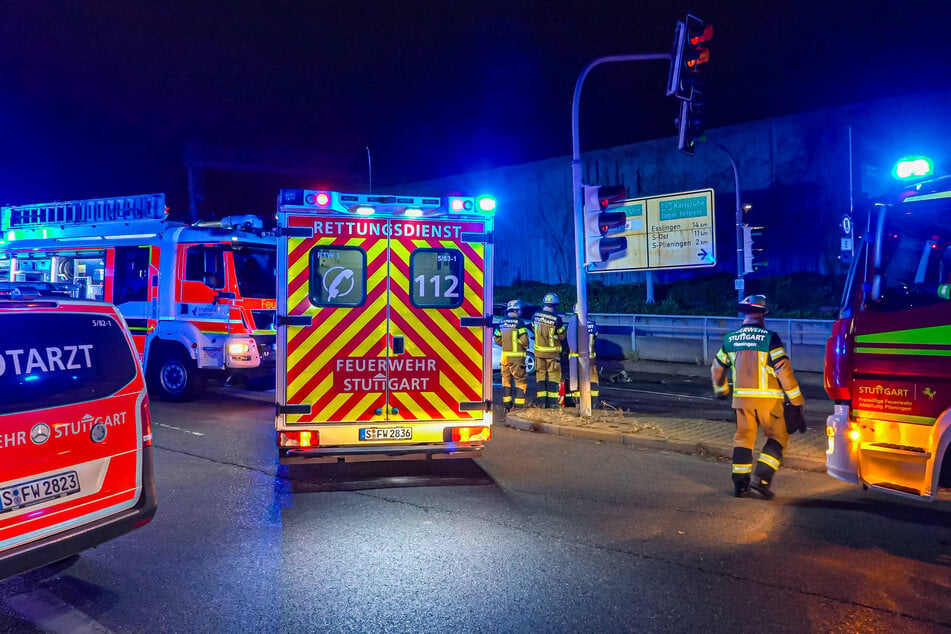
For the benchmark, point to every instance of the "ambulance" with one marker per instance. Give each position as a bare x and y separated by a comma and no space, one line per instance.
384,326
199,299
75,429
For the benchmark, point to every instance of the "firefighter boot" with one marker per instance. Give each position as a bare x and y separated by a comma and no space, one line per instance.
767,466
742,467
741,485
762,487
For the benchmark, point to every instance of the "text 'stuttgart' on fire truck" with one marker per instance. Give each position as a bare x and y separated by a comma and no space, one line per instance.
199,299
384,344
888,361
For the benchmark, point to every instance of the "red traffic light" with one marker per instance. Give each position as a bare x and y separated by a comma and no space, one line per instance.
608,194
704,36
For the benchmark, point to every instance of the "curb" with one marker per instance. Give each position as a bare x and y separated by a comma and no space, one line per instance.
793,461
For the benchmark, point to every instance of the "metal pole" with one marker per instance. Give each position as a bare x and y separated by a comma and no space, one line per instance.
584,354
740,283
369,172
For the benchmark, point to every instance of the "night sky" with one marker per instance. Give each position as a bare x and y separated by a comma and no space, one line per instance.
100,98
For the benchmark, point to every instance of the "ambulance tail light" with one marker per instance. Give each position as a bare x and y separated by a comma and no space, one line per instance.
838,361
467,434
146,415
301,439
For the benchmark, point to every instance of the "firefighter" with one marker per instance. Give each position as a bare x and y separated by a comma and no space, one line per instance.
550,332
761,374
573,359
512,335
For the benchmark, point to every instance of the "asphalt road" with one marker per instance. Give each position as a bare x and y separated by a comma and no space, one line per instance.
544,533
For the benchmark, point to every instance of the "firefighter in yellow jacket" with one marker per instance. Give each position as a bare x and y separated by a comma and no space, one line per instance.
512,335
550,331
761,374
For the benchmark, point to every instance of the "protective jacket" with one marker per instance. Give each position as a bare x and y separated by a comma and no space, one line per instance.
512,335
550,331
759,366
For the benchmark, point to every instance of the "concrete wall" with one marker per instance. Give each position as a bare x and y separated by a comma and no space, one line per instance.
794,170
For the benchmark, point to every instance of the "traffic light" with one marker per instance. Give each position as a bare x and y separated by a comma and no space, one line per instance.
754,255
690,125
600,246
689,53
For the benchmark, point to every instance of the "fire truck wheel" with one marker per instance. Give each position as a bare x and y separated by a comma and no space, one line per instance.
529,363
175,377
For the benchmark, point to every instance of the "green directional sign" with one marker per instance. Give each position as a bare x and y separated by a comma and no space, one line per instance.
673,231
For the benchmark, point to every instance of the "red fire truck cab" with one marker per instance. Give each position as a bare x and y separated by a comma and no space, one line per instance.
199,299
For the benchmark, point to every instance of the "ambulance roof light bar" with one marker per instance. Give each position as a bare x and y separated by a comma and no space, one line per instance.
385,205
80,212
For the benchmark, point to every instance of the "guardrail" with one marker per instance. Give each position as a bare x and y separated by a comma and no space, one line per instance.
696,339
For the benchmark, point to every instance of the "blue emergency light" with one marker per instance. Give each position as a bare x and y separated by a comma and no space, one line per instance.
913,167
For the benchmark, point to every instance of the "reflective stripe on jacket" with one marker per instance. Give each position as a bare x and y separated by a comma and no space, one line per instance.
550,331
758,364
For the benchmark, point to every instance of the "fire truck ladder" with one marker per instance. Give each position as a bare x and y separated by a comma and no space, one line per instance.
84,212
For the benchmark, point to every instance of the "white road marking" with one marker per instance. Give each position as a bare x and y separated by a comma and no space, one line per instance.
187,431
49,613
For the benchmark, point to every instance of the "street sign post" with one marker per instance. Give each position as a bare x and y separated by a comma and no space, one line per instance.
672,231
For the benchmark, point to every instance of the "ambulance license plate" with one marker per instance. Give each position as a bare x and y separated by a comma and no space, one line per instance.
386,433
39,490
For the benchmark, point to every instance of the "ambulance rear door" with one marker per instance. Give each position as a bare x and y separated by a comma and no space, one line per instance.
436,323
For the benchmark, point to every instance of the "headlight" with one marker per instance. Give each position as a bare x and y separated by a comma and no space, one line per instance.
238,348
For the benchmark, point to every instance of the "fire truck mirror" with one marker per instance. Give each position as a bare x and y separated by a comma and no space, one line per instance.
222,295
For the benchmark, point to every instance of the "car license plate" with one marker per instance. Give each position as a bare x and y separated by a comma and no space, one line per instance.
386,433
40,490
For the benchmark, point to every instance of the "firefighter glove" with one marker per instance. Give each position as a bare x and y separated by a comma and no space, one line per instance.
795,420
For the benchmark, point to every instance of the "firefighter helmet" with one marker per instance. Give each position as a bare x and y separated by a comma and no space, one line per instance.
514,306
753,304
551,299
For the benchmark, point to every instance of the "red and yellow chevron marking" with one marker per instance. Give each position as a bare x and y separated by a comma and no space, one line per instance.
336,332
336,364
436,334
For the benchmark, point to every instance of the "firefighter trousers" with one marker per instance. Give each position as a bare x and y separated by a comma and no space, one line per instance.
595,387
769,416
547,381
514,384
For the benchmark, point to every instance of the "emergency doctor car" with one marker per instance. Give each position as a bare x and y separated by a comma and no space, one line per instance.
75,429
383,315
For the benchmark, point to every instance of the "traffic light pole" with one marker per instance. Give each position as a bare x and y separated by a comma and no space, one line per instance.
584,352
740,282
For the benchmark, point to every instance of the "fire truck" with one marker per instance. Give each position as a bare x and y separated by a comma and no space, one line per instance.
199,299
888,361
384,326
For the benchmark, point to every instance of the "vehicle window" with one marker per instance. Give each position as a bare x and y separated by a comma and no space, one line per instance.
206,265
435,277
916,254
338,276
255,268
54,359
131,275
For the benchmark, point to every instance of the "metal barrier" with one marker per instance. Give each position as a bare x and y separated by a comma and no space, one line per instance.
696,339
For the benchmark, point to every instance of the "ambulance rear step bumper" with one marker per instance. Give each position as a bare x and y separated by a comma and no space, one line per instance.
318,455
